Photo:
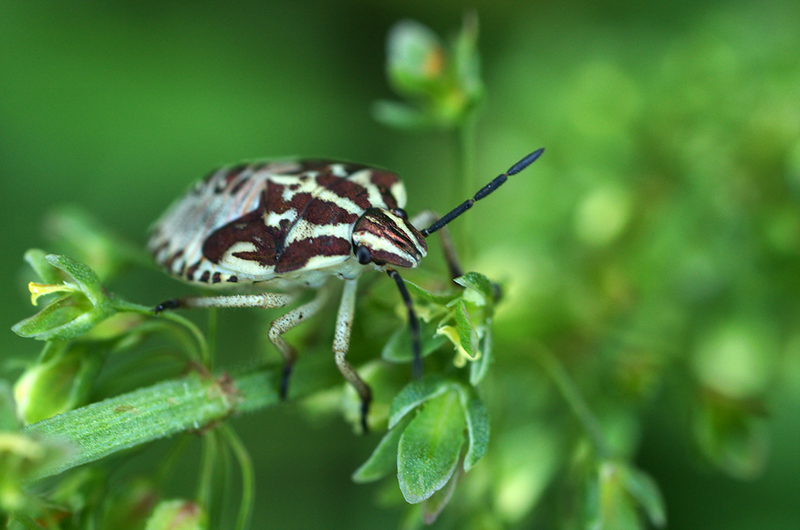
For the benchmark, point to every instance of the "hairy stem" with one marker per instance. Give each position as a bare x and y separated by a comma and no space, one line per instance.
193,402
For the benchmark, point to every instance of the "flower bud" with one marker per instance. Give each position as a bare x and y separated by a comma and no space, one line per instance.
81,305
60,381
177,515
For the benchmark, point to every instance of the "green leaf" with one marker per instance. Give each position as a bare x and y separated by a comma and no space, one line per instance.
414,394
420,293
483,291
398,347
644,489
85,277
64,318
479,368
429,448
164,409
467,335
463,336
383,459
477,418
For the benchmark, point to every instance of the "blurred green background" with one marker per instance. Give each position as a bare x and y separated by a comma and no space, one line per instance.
654,248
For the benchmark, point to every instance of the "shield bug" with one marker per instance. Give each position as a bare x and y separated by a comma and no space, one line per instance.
287,225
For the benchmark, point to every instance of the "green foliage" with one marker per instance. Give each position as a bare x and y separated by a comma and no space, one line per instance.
441,83
83,304
640,297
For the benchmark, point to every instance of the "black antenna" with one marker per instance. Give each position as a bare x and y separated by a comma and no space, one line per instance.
486,190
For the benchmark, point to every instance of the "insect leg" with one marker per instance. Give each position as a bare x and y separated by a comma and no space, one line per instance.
428,217
265,300
341,343
283,324
413,323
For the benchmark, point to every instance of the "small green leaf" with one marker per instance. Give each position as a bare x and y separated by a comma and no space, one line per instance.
414,394
466,331
477,418
644,489
463,336
483,291
478,369
85,277
398,348
64,318
429,448
419,293
383,459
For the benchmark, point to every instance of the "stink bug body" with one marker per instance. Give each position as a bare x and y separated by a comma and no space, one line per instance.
289,224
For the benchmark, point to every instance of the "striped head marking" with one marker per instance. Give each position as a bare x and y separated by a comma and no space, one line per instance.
385,237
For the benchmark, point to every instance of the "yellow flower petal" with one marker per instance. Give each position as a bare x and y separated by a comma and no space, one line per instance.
42,289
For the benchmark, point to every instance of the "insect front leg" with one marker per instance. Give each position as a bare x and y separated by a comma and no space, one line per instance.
428,217
341,343
264,300
283,324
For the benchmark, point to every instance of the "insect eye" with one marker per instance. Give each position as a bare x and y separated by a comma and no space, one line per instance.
364,255
399,212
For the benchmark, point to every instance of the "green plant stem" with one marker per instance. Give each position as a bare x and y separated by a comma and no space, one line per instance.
190,403
248,475
208,461
569,391
204,354
211,340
